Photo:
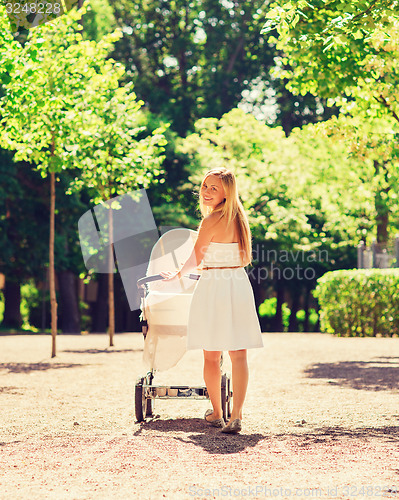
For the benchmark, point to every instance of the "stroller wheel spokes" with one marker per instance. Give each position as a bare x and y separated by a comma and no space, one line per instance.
146,392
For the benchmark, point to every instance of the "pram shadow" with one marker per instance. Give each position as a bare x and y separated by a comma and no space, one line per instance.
101,351
199,433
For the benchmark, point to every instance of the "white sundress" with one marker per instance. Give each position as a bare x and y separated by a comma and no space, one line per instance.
223,315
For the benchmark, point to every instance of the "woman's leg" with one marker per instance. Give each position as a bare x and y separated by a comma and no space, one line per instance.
213,378
240,381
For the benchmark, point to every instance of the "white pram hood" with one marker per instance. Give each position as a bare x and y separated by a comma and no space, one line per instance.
167,304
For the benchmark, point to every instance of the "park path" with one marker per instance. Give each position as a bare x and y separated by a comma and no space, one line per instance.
321,420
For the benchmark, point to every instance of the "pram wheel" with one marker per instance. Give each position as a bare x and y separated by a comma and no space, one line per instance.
143,406
150,408
226,397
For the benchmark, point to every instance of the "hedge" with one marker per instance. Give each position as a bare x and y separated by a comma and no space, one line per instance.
359,302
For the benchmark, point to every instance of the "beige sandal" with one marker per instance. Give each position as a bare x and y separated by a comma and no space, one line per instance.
219,422
233,427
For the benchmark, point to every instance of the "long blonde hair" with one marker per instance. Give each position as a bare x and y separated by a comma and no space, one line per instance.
232,209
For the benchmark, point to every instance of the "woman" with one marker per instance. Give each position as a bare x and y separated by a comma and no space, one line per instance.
222,314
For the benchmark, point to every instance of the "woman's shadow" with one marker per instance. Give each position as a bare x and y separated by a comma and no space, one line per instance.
197,431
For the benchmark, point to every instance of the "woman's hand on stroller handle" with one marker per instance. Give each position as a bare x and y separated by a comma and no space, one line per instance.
169,276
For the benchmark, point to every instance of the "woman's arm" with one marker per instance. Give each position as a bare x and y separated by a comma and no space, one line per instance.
205,234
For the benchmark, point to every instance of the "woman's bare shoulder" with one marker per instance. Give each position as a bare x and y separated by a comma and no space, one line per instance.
213,218
209,225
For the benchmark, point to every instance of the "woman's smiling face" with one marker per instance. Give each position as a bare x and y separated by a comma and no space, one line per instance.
212,191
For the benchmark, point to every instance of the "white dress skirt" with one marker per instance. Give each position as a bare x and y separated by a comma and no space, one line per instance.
223,315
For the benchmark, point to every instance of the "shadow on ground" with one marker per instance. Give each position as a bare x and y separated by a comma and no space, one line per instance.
329,435
31,367
100,351
15,391
379,374
213,441
198,432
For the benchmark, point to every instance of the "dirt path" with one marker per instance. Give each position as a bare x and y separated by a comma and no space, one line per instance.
321,420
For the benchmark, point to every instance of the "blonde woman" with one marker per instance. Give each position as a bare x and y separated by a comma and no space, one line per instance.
222,314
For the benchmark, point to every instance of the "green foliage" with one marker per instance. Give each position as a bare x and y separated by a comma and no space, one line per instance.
298,191
50,85
98,20
342,19
23,219
268,310
120,154
85,318
313,318
359,302
192,59
63,109
377,155
353,68
30,298
24,222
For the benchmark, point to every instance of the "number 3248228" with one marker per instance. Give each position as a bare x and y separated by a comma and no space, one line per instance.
33,8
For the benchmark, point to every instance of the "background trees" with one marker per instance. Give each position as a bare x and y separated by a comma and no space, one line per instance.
348,53
302,194
62,110
207,68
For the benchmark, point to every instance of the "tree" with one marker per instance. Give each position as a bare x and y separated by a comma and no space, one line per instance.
121,155
22,231
348,54
338,17
192,59
98,20
50,86
304,196
355,67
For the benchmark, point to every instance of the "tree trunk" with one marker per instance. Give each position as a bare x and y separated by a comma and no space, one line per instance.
53,298
70,317
293,323
381,207
100,310
278,319
133,323
12,305
306,309
125,319
111,301
284,102
259,291
317,326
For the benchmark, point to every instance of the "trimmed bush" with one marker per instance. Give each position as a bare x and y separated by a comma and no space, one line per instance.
359,302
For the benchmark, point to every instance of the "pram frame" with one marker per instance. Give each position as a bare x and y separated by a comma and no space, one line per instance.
146,392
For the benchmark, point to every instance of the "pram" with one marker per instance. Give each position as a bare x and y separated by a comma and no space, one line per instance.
165,308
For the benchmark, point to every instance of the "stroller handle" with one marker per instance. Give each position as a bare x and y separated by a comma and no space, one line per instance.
156,277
